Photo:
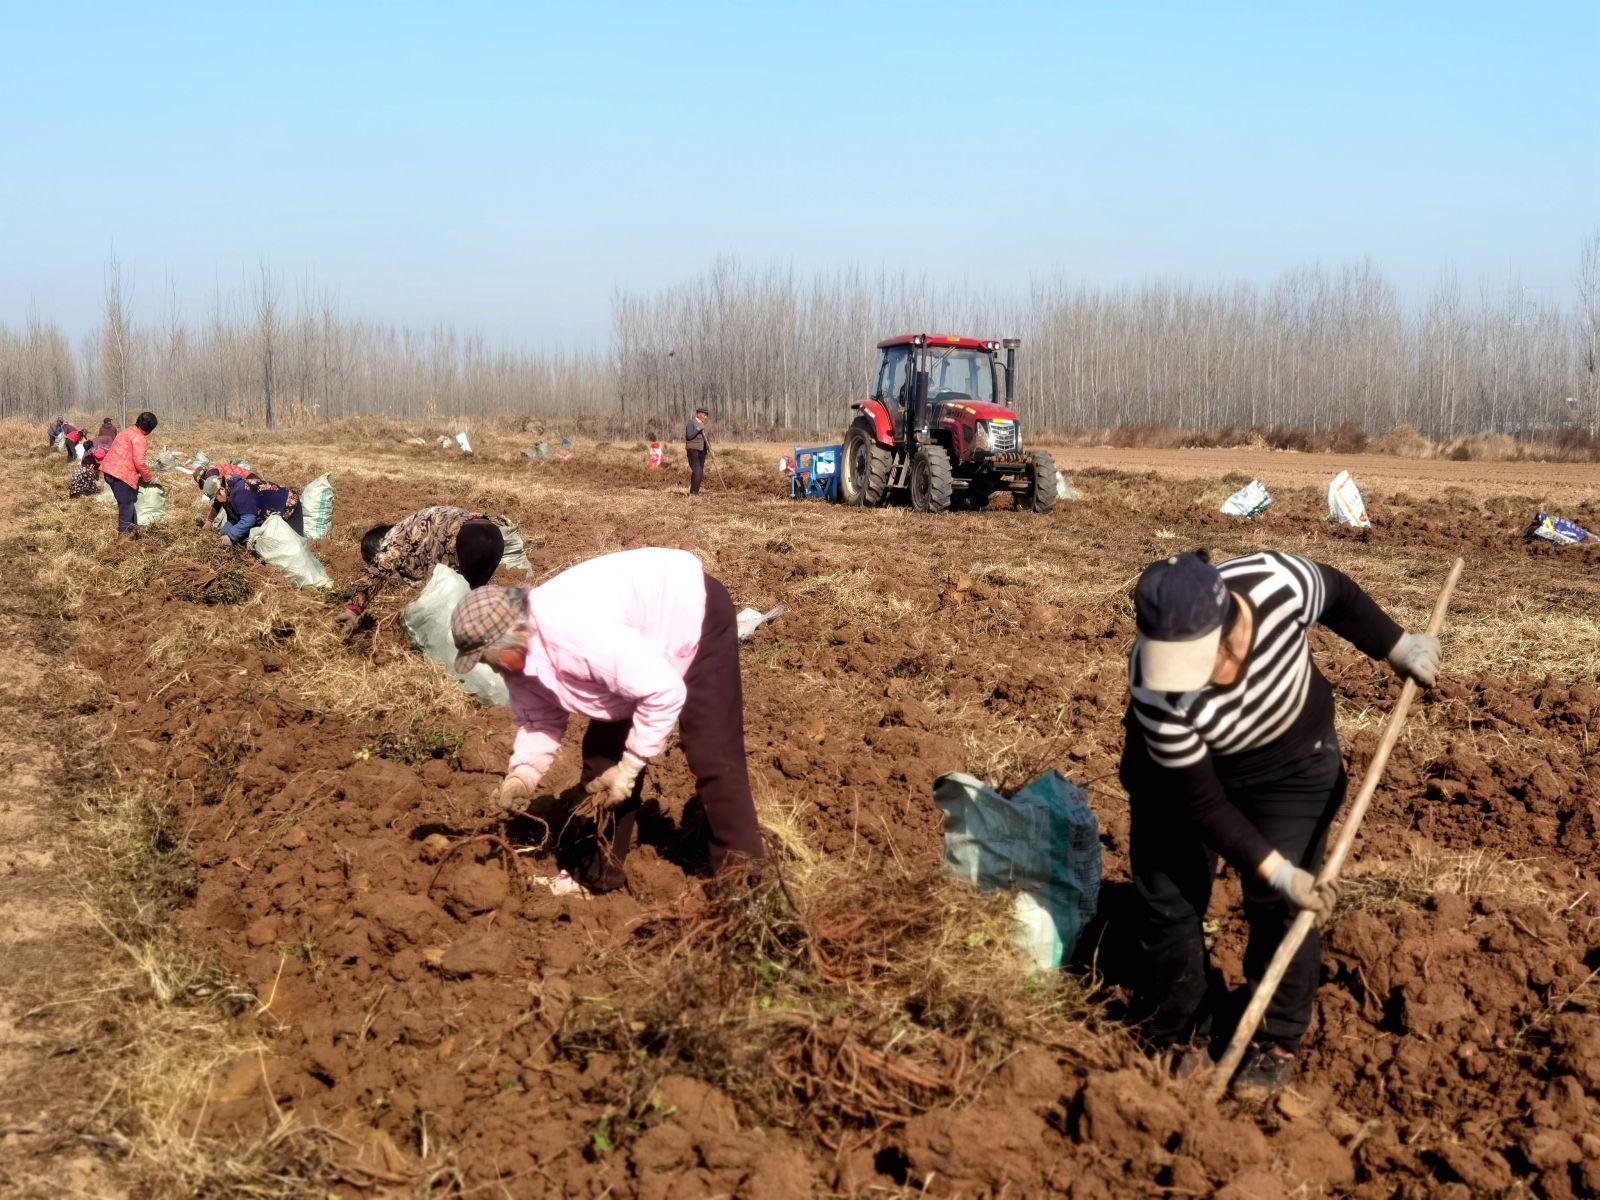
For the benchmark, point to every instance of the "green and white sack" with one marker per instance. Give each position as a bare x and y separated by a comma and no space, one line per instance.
426,621
275,544
515,555
149,505
1248,502
105,493
316,501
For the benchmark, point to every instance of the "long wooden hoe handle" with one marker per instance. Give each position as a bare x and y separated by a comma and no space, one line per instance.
1229,1063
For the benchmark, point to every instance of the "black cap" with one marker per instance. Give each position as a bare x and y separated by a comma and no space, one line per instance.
1180,605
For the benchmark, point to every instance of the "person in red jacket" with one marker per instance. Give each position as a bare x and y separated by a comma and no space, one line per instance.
125,468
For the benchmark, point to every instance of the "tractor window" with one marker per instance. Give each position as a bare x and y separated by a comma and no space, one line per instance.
892,375
956,374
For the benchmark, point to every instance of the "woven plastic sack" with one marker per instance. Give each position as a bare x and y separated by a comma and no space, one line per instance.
426,621
61,441
515,555
1064,489
149,505
1345,506
1550,528
275,544
1249,501
105,493
316,502
1042,842
461,440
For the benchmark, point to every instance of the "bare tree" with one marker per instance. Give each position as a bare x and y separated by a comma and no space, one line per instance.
116,338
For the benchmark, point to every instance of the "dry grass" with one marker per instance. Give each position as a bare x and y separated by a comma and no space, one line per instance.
1392,887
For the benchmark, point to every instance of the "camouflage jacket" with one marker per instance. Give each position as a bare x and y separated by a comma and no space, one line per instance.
413,548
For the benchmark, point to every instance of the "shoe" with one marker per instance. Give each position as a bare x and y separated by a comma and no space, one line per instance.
1266,1071
1189,1061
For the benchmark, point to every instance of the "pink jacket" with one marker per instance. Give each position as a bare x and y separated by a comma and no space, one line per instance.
610,638
125,459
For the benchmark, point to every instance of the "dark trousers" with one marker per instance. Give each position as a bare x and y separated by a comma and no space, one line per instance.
1172,875
479,547
126,496
711,729
697,470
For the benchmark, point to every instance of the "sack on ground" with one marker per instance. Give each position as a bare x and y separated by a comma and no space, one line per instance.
1064,489
461,440
426,621
515,554
1548,527
61,441
1041,841
749,620
105,493
1249,501
316,502
149,504
275,544
1344,502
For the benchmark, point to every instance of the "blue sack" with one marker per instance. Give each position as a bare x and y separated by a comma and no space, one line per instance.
1042,841
1557,529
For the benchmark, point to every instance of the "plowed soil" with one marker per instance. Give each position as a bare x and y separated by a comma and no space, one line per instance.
415,1001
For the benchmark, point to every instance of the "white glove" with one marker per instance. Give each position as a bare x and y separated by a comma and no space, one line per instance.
615,784
1416,656
517,788
1301,889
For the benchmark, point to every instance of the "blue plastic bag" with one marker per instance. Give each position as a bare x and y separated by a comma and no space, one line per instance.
1042,841
1559,530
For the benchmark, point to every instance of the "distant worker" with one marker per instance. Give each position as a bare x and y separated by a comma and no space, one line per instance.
250,501
106,435
1231,750
126,470
657,454
697,447
638,642
77,443
463,540
57,428
85,479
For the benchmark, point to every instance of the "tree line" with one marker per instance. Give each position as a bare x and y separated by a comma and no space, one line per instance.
769,349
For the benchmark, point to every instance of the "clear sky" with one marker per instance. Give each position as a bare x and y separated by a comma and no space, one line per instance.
504,166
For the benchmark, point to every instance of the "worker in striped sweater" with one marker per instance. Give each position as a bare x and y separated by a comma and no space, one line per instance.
1231,751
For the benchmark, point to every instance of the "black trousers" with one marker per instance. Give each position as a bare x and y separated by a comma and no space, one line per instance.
479,548
126,498
711,729
697,470
1172,875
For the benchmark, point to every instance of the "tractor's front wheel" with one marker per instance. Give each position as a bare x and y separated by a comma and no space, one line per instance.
864,471
1041,494
930,480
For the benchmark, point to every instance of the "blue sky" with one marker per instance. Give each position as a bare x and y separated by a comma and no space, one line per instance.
504,167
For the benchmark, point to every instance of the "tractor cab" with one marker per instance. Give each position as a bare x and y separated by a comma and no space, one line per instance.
934,428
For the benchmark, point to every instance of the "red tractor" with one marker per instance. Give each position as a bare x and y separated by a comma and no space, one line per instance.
932,430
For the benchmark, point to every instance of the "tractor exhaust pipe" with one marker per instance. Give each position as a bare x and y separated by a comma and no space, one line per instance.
1011,345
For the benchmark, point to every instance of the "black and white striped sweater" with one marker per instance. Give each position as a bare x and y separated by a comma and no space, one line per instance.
1186,749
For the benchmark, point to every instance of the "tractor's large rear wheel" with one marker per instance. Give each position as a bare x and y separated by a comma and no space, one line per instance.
1041,494
930,480
864,469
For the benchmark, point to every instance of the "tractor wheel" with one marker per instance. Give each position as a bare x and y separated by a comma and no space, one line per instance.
930,480
1041,494
864,466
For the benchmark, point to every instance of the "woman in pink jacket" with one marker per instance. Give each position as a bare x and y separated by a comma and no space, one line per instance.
125,468
637,642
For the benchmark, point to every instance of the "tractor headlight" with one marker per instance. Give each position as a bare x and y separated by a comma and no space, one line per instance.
982,441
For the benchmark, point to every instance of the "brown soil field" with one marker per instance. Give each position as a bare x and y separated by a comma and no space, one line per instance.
338,993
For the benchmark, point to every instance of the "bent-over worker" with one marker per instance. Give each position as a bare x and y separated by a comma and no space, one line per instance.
463,540
1231,750
637,642
85,479
250,501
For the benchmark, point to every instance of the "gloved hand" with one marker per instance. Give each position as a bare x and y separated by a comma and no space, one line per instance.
615,784
1416,656
517,789
1301,889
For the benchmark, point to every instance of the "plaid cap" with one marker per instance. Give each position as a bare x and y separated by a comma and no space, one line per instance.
481,619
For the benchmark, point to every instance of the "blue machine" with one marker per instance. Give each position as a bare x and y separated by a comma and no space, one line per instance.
816,473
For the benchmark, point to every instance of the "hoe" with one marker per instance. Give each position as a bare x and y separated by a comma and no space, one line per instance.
932,432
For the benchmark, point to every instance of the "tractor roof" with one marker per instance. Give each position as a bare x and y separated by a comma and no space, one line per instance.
938,339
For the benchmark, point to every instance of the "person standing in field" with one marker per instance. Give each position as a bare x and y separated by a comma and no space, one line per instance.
126,470
698,447
638,642
106,435
463,540
1231,750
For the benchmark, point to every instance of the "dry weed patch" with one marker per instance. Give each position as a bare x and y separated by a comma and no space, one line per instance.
1393,886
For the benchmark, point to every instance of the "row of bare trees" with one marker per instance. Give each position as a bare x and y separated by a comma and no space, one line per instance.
1316,349
769,349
